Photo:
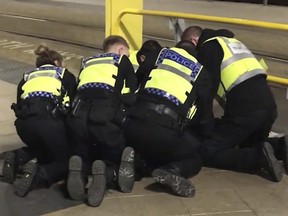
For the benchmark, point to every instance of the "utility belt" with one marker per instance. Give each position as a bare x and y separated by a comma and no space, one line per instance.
100,111
36,107
158,113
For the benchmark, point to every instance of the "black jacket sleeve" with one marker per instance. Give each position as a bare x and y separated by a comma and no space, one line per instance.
204,102
126,71
19,91
210,55
69,83
146,67
126,68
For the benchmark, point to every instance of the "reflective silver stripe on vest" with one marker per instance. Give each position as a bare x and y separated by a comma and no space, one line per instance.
104,61
234,58
44,74
246,76
175,71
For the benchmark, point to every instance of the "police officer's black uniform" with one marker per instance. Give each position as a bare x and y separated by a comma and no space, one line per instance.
95,122
156,123
249,112
41,126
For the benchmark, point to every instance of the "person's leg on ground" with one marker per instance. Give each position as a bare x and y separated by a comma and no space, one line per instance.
13,160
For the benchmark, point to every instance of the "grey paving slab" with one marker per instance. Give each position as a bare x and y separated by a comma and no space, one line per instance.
8,137
37,203
4,210
272,202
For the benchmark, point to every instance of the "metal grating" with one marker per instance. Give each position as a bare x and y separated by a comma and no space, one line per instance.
12,71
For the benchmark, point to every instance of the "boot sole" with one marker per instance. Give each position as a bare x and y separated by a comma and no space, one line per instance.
26,182
275,169
126,174
9,168
97,188
179,185
75,185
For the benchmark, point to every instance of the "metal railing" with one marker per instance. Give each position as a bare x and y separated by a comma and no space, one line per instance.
267,25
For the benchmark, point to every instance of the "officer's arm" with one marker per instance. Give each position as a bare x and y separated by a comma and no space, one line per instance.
69,83
204,91
210,56
146,67
128,74
19,91
140,74
130,83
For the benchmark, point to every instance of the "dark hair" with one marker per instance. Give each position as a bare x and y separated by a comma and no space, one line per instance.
184,43
112,40
188,46
191,31
47,56
147,46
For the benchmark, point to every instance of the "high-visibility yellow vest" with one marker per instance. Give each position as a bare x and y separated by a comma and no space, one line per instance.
99,71
133,59
44,81
174,76
238,65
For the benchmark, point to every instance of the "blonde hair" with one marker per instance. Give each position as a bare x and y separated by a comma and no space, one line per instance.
47,56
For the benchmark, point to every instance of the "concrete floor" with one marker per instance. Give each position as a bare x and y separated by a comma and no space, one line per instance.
218,192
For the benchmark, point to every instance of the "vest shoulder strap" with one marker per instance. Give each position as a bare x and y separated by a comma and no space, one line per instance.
105,58
45,71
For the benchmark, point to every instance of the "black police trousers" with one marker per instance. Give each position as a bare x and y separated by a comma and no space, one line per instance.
94,135
46,140
163,145
236,141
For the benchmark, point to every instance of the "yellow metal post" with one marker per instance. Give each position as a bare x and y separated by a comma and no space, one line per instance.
130,27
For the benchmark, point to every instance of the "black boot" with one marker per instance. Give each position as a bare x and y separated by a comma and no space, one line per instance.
270,164
75,181
179,185
126,176
10,167
285,153
97,189
29,179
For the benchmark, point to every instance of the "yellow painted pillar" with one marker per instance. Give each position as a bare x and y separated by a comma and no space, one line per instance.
131,26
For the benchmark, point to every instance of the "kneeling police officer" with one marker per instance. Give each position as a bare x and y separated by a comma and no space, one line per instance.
95,124
172,84
42,99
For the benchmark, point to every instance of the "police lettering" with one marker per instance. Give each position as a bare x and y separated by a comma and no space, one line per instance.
171,55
